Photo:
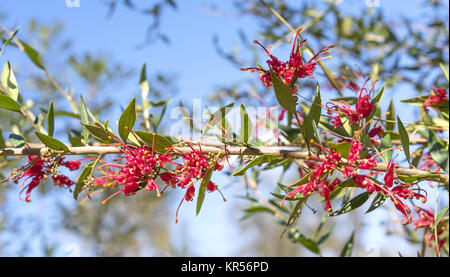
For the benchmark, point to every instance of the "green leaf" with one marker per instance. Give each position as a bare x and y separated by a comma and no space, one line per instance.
439,217
86,173
440,64
16,140
404,139
127,119
351,100
374,72
8,103
34,55
316,107
386,143
310,130
218,117
84,117
390,118
296,209
51,142
203,184
75,141
283,94
325,236
246,125
354,203
162,143
310,244
9,81
99,132
257,161
302,181
348,247
2,141
50,119
376,101
8,41
418,100
377,202
342,148
419,177
339,130
438,152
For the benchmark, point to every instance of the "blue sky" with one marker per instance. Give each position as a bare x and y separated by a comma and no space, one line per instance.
190,55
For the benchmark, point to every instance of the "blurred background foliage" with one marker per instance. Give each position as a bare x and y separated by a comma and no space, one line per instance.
401,51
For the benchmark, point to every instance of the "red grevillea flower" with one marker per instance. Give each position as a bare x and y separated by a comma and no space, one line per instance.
292,69
363,108
426,221
439,96
39,169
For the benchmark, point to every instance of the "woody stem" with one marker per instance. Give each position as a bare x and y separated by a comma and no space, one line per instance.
280,152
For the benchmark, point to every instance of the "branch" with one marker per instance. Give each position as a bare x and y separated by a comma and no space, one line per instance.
287,152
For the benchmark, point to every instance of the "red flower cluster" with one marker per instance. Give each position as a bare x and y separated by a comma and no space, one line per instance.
439,96
349,168
363,108
292,69
39,169
143,166
426,220
139,171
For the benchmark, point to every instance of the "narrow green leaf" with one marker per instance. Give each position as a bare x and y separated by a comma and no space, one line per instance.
325,236
8,103
440,64
302,181
162,143
203,184
99,132
86,173
2,141
439,217
316,107
348,247
438,152
404,139
257,161
246,125
34,55
50,119
377,202
283,94
8,41
218,117
374,72
127,119
51,142
340,131
376,101
84,118
390,117
311,245
354,203
16,140
296,209
386,143
342,148
9,81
